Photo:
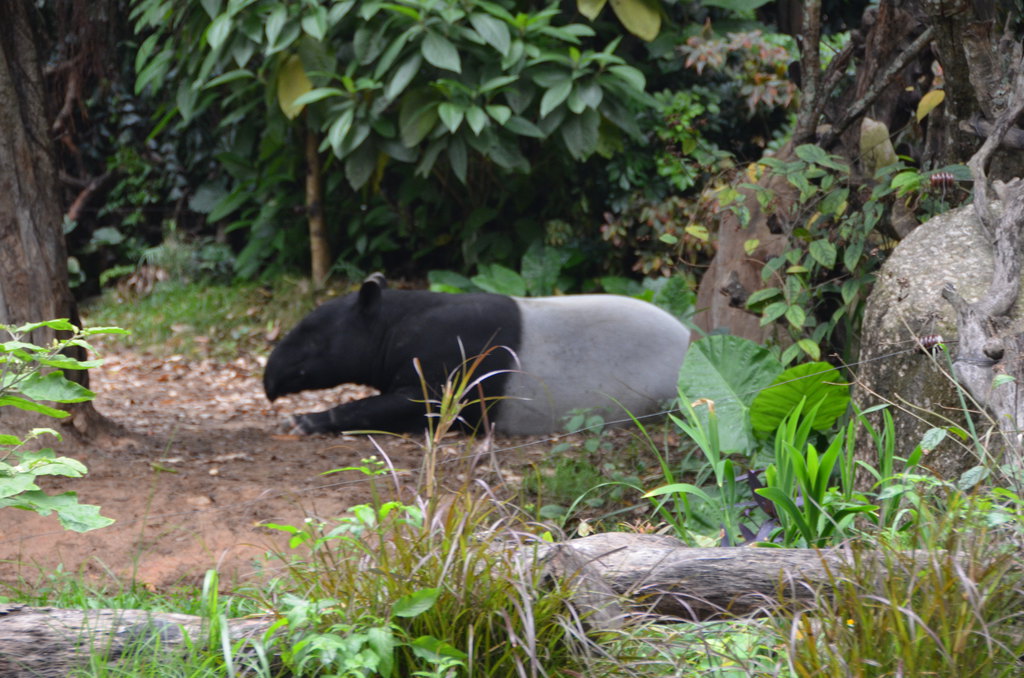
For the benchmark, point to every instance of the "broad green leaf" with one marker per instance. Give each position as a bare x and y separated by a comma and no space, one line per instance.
762,295
476,118
275,22
499,279
218,31
823,252
555,95
810,347
590,8
415,603
699,231
928,103
382,640
11,486
729,371
230,76
541,267
815,155
29,406
451,115
580,133
499,113
796,316
360,164
642,18
773,312
416,117
523,127
816,382
71,514
630,75
59,324
457,158
439,51
318,94
339,130
292,82
493,30
403,76
55,387
434,650
1001,379
932,438
315,24
449,281
48,465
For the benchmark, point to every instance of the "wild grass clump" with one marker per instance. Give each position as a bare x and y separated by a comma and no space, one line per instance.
420,588
948,603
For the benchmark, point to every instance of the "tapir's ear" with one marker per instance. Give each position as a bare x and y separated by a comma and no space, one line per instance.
369,293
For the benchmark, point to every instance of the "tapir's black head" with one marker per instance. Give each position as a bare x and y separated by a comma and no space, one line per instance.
332,345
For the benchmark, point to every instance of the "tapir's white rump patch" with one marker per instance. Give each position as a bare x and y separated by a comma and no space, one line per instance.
602,352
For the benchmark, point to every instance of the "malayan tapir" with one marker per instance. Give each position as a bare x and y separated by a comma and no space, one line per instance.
546,357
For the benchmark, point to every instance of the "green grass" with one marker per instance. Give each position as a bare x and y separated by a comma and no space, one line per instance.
202,320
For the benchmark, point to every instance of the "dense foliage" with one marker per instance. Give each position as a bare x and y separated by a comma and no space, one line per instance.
448,134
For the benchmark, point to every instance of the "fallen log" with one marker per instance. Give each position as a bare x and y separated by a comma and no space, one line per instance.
658,574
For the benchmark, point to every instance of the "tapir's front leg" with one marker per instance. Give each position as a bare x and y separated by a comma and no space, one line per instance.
393,412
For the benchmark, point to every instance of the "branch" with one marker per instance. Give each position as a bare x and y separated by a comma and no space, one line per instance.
87,192
810,72
877,87
980,347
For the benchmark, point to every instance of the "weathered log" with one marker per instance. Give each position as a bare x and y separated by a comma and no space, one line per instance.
666,577
659,574
47,642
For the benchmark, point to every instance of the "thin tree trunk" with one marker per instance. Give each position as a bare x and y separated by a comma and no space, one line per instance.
319,248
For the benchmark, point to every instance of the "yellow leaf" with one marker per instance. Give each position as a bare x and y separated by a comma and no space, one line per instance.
928,102
642,18
698,231
292,83
590,8
751,245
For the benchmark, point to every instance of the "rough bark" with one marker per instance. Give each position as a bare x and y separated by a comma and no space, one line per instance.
987,346
658,573
733,274
33,255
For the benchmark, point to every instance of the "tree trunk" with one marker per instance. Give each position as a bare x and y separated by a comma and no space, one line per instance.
33,256
319,247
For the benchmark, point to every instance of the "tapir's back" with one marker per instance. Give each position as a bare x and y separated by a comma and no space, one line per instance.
605,352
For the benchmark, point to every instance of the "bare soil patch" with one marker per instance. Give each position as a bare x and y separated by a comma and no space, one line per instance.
203,467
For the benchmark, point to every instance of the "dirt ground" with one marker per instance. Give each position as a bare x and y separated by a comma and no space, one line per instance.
202,467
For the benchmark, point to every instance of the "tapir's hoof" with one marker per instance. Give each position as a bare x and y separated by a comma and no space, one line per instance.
298,425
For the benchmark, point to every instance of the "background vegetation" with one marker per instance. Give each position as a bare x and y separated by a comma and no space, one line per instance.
229,147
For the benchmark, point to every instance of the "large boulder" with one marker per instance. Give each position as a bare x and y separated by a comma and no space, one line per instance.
906,304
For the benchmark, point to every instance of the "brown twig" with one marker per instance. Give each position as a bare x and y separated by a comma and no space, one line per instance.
877,87
90,189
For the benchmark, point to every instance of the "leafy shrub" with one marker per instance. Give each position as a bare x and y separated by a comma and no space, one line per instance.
24,381
468,95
